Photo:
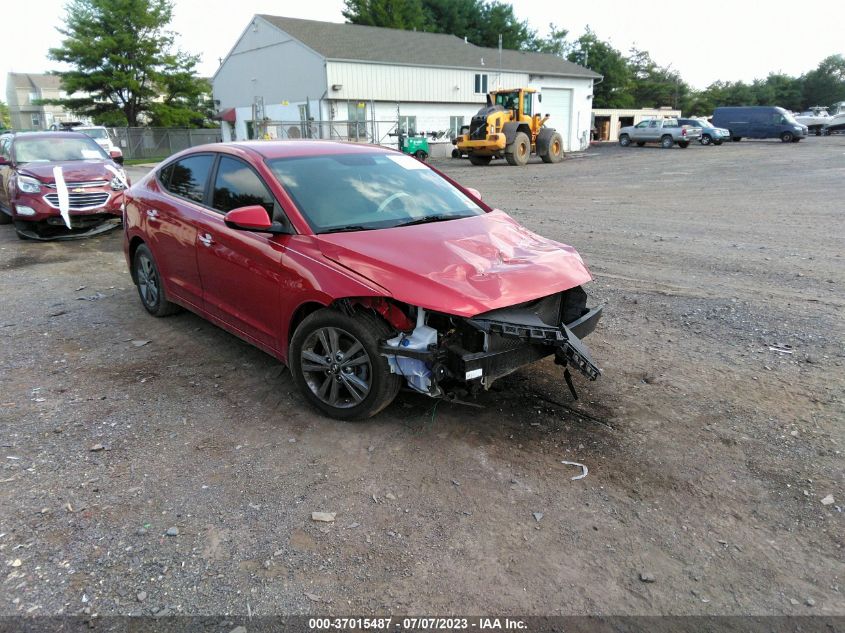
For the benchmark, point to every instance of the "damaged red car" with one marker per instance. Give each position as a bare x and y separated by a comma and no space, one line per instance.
58,185
361,268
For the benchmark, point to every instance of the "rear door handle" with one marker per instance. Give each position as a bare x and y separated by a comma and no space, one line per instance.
206,239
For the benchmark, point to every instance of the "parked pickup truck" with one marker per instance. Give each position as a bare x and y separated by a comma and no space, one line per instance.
667,132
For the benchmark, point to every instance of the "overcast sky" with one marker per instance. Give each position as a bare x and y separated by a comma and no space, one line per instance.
741,39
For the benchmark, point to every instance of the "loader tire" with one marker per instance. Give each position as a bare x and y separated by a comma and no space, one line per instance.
517,153
551,150
480,160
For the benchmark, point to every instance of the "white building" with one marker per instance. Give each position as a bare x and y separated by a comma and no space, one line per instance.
353,81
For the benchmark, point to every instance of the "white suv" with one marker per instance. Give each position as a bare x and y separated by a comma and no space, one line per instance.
101,136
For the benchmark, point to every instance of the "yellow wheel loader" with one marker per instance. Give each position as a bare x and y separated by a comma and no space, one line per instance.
508,127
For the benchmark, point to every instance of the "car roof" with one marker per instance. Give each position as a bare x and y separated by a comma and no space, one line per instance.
289,149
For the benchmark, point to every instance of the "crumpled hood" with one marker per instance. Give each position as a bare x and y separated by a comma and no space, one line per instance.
73,170
462,267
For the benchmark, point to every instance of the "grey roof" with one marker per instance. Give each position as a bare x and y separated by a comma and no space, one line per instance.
394,46
35,80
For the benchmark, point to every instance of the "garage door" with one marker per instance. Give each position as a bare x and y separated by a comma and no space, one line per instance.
558,103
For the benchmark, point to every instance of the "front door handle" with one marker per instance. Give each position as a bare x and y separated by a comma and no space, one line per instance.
206,239
152,214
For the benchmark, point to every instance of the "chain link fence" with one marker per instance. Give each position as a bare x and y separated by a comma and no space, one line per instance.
377,132
155,142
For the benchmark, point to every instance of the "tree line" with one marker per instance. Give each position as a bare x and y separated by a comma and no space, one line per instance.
632,80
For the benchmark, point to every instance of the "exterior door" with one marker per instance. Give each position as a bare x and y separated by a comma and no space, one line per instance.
241,270
170,218
557,102
640,131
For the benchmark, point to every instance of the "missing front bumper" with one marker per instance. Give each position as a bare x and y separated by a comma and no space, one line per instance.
512,338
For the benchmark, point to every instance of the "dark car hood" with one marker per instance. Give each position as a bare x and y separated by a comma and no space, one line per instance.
462,267
73,170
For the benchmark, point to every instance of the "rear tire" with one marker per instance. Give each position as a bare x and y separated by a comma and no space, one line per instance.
517,153
666,142
683,144
353,392
150,286
705,139
420,155
456,153
480,160
787,137
624,140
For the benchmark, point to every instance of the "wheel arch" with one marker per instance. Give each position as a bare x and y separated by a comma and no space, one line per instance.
134,243
511,129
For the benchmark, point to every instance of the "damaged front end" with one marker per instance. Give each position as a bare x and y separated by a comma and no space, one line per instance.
450,356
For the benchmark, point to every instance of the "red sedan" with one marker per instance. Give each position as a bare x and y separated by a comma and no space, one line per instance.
359,267
58,185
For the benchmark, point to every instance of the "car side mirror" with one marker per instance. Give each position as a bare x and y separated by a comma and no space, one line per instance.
474,192
117,156
254,218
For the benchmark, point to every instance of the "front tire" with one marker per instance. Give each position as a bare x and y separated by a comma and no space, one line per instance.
420,155
335,362
150,286
624,140
666,142
5,218
554,152
787,137
517,153
736,139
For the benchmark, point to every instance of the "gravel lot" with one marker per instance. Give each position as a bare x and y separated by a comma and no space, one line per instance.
712,438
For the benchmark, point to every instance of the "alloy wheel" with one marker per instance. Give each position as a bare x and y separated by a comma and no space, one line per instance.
336,367
147,280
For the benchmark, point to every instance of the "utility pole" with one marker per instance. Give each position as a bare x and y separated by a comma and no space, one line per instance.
499,82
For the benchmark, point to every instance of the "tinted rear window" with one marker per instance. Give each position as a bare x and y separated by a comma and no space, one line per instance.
188,177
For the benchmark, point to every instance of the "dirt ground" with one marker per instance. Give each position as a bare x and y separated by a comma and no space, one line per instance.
711,439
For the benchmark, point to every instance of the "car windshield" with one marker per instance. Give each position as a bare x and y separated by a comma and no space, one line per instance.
349,192
789,118
96,132
56,148
509,100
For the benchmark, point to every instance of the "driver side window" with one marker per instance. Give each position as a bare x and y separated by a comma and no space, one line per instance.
642,124
236,185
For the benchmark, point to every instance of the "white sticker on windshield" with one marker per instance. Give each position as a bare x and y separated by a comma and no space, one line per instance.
90,153
403,160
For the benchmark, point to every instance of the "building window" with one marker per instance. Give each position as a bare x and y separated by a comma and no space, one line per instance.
408,124
481,84
36,120
33,96
455,124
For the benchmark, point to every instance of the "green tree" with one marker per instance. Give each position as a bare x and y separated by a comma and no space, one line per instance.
655,86
826,84
394,14
480,21
5,117
614,91
123,61
554,43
